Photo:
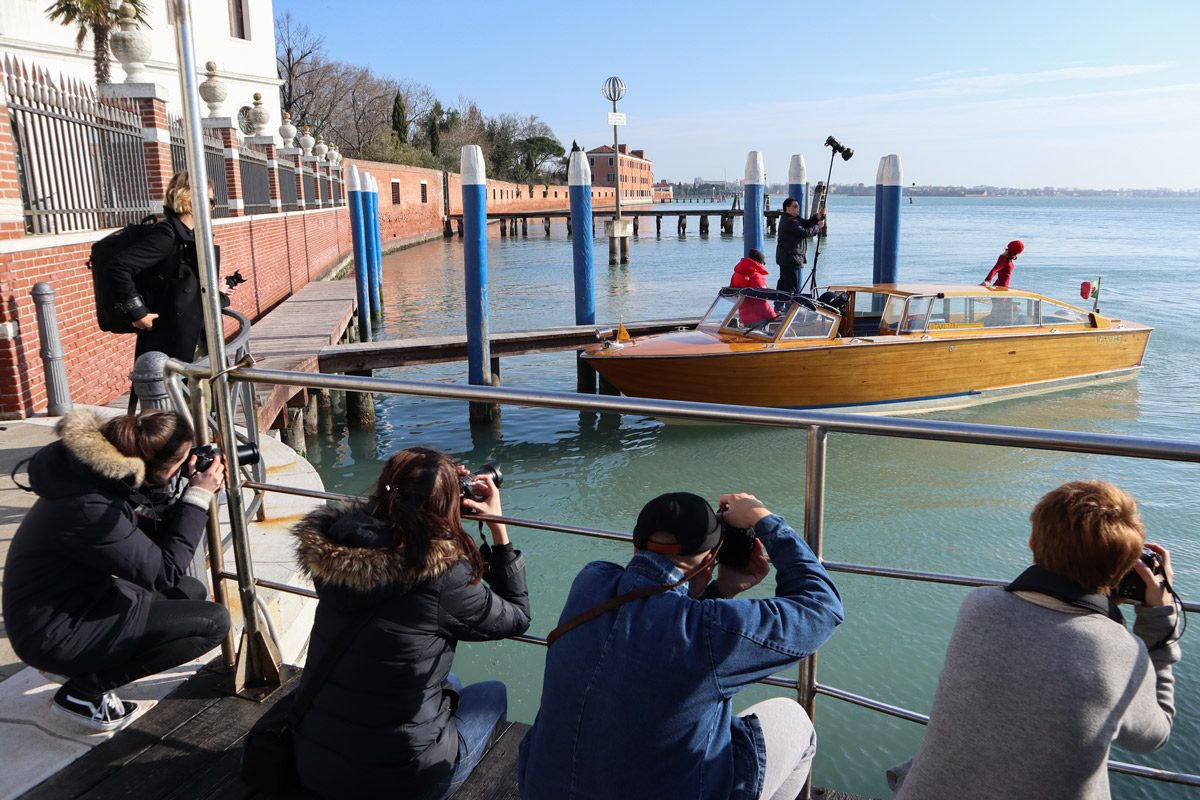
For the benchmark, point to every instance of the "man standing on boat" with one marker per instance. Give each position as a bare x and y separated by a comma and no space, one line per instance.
791,243
637,700
1002,272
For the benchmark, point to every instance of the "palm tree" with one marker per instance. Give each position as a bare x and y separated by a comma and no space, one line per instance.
98,17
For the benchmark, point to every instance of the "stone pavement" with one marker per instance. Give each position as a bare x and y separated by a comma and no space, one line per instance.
35,741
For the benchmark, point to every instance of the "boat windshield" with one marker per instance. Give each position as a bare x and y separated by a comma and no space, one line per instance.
719,311
806,323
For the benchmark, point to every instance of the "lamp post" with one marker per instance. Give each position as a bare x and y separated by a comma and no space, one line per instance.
614,90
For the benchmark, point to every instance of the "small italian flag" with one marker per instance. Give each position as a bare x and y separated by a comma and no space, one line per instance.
1089,290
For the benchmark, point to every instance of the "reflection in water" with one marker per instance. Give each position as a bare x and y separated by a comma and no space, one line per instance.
919,505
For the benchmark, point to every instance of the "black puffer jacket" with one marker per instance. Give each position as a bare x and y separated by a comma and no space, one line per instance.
791,244
80,570
381,726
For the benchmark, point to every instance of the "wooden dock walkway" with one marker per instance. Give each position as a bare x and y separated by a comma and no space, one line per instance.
188,747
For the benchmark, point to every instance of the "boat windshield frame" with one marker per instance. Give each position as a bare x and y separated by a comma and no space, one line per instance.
722,316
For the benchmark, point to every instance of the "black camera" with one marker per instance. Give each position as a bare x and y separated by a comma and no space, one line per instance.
465,481
737,544
839,148
1132,586
247,455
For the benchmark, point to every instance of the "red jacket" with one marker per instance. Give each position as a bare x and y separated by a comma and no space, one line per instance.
1002,270
750,274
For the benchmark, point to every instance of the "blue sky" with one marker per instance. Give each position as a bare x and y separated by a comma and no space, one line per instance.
1008,93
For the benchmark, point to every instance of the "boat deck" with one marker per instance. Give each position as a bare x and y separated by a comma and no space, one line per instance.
188,747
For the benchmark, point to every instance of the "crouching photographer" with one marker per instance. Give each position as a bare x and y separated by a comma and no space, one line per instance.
399,583
642,670
1042,676
96,594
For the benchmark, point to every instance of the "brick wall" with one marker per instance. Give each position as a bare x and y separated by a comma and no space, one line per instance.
276,253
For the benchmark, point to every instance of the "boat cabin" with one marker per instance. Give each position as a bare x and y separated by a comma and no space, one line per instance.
886,310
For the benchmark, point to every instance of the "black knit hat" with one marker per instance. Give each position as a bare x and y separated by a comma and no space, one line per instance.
685,517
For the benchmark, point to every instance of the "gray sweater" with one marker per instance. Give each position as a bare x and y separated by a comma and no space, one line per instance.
1033,693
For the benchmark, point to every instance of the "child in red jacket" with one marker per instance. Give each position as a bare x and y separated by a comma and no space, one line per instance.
751,272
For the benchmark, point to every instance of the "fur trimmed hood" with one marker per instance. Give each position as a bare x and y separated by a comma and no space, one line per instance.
343,545
80,433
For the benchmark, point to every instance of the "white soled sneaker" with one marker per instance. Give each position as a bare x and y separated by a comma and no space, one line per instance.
112,713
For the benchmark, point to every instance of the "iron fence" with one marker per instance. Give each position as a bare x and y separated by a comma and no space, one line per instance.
287,185
339,196
256,182
79,156
214,163
326,190
310,198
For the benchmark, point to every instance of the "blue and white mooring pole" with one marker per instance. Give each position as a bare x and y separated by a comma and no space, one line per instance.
752,216
580,181
377,249
474,195
368,217
358,237
798,182
889,190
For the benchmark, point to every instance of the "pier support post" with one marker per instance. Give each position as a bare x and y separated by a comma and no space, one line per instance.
570,227
377,250
311,413
524,226
771,224
612,251
503,228
364,185
658,224
704,223
293,432
360,406
797,183
458,223
580,191
358,236
546,225
585,376
624,247
603,386
682,224
752,218
474,193
889,191
635,225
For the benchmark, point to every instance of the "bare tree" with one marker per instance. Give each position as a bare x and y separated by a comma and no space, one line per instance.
299,58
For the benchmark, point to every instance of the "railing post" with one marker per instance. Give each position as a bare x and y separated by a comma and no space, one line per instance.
814,530
292,154
224,128
12,209
58,393
311,163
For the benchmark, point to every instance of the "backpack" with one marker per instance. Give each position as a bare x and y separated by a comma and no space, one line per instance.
109,313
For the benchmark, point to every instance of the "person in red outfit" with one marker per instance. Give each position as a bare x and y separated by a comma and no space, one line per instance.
751,272
1004,265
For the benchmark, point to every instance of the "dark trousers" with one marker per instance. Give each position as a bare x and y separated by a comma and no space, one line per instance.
181,625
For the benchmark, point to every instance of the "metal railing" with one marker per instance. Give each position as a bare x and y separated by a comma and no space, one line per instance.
817,424
310,188
287,185
256,185
79,156
214,162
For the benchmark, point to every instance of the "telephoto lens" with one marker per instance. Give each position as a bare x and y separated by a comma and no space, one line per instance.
465,482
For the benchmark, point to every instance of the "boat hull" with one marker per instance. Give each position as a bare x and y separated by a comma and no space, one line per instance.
884,375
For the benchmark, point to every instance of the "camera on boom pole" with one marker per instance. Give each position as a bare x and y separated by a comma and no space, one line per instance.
846,153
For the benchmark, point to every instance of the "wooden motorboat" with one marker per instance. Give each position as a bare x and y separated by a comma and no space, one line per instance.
881,348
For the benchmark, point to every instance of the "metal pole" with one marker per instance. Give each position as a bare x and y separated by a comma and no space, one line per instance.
58,393
358,240
617,161
814,529
258,663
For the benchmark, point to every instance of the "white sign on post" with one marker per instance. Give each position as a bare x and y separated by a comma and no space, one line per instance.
616,119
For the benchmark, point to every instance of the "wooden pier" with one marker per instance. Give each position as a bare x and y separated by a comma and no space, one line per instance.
510,221
188,747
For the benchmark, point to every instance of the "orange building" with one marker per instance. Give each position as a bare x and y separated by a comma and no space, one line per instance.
637,173
664,192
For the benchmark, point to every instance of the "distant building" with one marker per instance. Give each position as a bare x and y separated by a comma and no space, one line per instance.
664,192
637,173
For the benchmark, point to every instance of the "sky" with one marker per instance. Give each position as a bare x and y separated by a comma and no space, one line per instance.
1096,95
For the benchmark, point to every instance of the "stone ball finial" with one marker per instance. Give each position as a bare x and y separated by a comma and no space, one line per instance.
213,90
287,131
259,116
307,141
320,149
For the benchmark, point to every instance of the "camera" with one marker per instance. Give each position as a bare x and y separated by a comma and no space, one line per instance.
247,454
465,482
1132,586
839,148
737,544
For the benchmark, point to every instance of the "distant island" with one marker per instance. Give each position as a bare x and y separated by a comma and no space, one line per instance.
702,189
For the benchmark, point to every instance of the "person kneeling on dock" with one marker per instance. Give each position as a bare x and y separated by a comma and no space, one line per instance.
638,691
399,579
1041,676
95,594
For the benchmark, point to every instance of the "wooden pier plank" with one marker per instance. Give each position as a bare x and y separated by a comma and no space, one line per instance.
495,778
437,349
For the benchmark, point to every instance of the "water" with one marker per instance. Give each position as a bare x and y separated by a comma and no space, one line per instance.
917,505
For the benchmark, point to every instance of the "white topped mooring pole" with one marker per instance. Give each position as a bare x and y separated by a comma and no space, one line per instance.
752,217
889,189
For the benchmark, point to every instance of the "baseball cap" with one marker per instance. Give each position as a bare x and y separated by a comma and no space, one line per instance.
686,517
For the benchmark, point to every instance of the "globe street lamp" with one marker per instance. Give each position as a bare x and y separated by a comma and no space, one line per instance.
614,90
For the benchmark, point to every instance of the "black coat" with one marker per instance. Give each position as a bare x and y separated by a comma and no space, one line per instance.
163,272
380,726
791,245
80,571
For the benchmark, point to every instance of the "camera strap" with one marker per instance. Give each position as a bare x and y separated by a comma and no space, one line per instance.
1043,581
628,597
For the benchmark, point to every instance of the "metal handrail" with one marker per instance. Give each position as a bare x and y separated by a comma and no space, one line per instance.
818,425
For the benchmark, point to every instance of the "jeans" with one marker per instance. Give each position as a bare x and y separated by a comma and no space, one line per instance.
480,707
180,625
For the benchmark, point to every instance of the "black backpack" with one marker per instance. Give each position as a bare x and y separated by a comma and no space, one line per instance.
109,313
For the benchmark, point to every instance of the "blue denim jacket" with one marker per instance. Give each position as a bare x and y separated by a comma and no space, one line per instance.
638,702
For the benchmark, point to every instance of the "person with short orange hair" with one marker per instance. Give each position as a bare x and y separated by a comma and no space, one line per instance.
1041,676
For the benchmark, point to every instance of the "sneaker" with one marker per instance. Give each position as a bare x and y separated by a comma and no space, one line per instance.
53,677
111,714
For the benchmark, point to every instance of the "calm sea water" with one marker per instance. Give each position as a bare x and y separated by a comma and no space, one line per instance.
946,507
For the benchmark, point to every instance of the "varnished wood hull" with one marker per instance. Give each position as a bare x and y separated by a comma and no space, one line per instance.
889,374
